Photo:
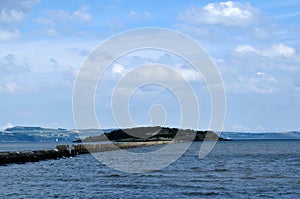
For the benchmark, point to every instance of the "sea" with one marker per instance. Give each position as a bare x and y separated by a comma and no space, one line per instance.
233,169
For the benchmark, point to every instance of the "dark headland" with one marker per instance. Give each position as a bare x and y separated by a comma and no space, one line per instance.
156,133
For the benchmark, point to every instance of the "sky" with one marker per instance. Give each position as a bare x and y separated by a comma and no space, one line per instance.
254,45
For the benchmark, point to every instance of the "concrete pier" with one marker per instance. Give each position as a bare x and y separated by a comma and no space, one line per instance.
62,151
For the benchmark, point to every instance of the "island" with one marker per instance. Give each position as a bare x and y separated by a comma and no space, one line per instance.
151,134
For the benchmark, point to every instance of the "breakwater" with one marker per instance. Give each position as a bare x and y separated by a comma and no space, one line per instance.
64,151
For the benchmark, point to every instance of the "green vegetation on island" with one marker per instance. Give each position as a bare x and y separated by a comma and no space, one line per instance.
156,133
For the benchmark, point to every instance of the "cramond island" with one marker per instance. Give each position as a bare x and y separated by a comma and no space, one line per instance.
151,134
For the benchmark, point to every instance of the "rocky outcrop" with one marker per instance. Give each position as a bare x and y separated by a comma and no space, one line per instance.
157,133
32,156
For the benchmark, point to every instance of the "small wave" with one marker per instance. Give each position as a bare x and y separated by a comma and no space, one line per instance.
275,176
114,175
198,180
127,186
220,170
248,178
198,193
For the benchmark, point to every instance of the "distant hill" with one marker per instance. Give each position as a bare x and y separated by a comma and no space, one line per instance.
40,134
157,133
267,135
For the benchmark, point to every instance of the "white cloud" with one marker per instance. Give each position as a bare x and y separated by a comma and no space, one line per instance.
38,68
175,76
224,13
263,83
79,51
125,64
118,69
38,53
276,50
177,79
11,16
279,50
51,32
115,24
6,35
145,15
133,13
82,15
241,128
70,75
247,77
263,33
10,65
13,87
8,125
260,128
245,48
14,11
11,13
54,20
188,74
58,16
44,21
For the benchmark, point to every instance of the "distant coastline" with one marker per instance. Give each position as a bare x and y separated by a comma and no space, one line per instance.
94,140
41,134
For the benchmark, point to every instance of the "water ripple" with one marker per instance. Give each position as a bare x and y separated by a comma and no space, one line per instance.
233,170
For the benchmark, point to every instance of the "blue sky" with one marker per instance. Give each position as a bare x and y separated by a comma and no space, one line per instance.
254,44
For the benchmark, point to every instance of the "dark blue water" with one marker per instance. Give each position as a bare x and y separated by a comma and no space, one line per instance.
29,146
237,169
